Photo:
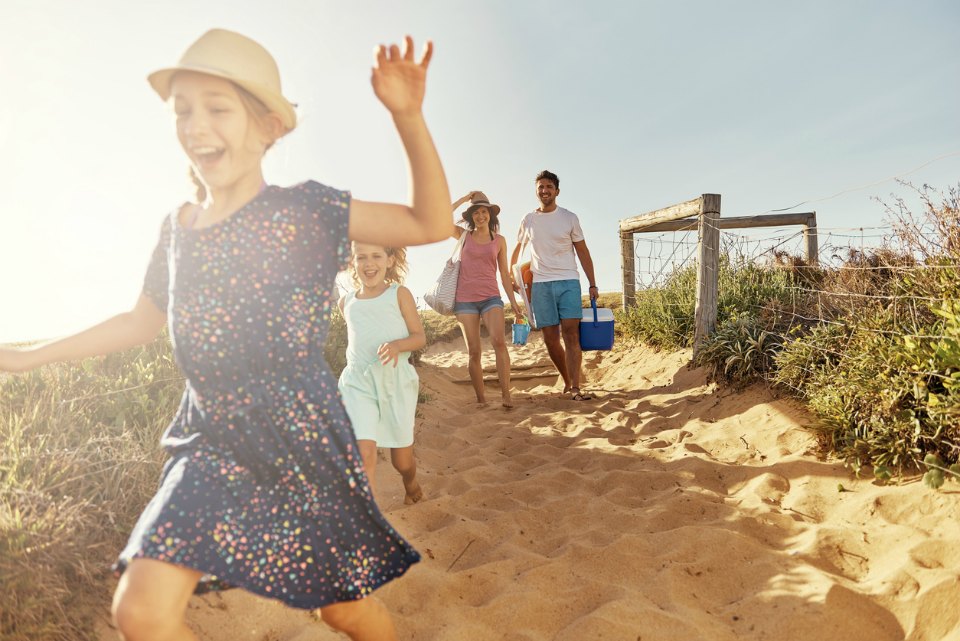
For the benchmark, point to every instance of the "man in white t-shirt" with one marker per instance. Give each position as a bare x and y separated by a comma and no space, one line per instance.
556,242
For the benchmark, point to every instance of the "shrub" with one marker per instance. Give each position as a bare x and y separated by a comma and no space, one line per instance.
740,351
663,316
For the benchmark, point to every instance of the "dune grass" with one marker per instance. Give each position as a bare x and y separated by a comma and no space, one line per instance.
79,458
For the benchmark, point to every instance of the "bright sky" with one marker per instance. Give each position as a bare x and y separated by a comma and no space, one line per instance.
636,105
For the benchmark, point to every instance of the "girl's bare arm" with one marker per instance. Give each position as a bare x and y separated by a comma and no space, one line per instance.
400,82
138,326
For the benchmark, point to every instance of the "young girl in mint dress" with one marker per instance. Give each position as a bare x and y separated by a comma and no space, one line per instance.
379,384
264,488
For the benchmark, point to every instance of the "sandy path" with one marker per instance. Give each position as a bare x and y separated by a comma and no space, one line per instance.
663,510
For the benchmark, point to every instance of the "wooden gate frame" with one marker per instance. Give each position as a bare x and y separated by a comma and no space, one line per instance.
708,224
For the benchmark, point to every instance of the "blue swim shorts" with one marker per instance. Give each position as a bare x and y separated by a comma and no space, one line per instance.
555,300
477,307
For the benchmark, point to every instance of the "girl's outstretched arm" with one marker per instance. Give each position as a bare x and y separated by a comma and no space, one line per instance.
399,81
416,338
136,327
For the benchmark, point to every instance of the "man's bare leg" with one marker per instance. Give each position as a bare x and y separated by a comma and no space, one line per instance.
551,336
570,329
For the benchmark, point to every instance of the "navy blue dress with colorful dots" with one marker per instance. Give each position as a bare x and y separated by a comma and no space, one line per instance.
265,488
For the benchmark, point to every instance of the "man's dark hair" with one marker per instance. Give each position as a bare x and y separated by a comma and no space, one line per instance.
548,175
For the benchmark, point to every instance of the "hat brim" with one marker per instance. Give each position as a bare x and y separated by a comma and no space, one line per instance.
494,209
161,79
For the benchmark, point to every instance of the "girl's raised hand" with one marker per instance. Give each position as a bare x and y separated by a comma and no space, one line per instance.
398,79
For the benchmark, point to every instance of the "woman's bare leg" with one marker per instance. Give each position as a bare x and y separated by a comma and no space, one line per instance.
470,326
405,463
363,620
368,452
151,601
493,319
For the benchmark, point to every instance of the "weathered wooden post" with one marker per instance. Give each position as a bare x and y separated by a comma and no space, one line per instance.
810,239
628,269
708,272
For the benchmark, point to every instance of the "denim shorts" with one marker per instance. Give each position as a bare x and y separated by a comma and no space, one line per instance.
477,307
555,300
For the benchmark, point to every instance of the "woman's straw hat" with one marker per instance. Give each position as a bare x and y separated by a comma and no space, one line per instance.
236,58
479,199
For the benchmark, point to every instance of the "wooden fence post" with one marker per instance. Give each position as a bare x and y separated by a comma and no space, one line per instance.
628,269
810,240
708,272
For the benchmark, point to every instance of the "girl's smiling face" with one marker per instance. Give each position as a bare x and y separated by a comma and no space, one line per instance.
371,263
221,138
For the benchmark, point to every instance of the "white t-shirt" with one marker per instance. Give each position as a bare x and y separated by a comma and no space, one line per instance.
551,236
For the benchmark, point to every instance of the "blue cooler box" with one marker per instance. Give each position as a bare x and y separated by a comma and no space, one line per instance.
596,328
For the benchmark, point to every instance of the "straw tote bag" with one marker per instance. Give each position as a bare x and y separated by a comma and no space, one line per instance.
443,294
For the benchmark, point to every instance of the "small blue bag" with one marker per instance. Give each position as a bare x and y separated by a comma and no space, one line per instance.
520,333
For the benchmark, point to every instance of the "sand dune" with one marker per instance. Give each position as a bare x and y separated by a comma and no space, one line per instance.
663,510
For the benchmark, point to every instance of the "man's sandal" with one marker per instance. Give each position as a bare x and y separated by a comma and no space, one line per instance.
578,396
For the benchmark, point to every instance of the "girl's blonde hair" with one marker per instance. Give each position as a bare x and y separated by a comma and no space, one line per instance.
257,112
395,274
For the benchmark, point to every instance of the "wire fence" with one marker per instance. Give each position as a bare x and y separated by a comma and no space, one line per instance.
858,270
658,256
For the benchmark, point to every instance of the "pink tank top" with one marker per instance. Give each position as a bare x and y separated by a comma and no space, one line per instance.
478,271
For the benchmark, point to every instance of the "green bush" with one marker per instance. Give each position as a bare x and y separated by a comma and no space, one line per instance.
807,356
740,351
663,316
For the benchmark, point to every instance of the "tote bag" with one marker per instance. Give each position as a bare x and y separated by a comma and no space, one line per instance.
442,295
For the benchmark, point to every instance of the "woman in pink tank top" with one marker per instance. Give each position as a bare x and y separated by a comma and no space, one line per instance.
483,256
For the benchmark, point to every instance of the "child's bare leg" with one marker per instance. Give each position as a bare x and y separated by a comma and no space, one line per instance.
151,601
368,452
405,463
470,326
363,620
493,319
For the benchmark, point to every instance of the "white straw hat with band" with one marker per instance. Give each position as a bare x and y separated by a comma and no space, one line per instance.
237,58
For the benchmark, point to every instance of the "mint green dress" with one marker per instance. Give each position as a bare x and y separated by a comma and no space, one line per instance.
381,400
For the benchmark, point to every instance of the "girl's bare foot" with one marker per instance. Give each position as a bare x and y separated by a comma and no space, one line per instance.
414,494
508,402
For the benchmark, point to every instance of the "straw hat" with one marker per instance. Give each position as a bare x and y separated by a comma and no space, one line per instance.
480,200
236,58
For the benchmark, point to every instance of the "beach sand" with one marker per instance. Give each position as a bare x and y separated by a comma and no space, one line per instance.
665,509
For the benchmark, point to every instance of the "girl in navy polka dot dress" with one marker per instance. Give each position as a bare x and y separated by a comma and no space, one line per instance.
265,488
